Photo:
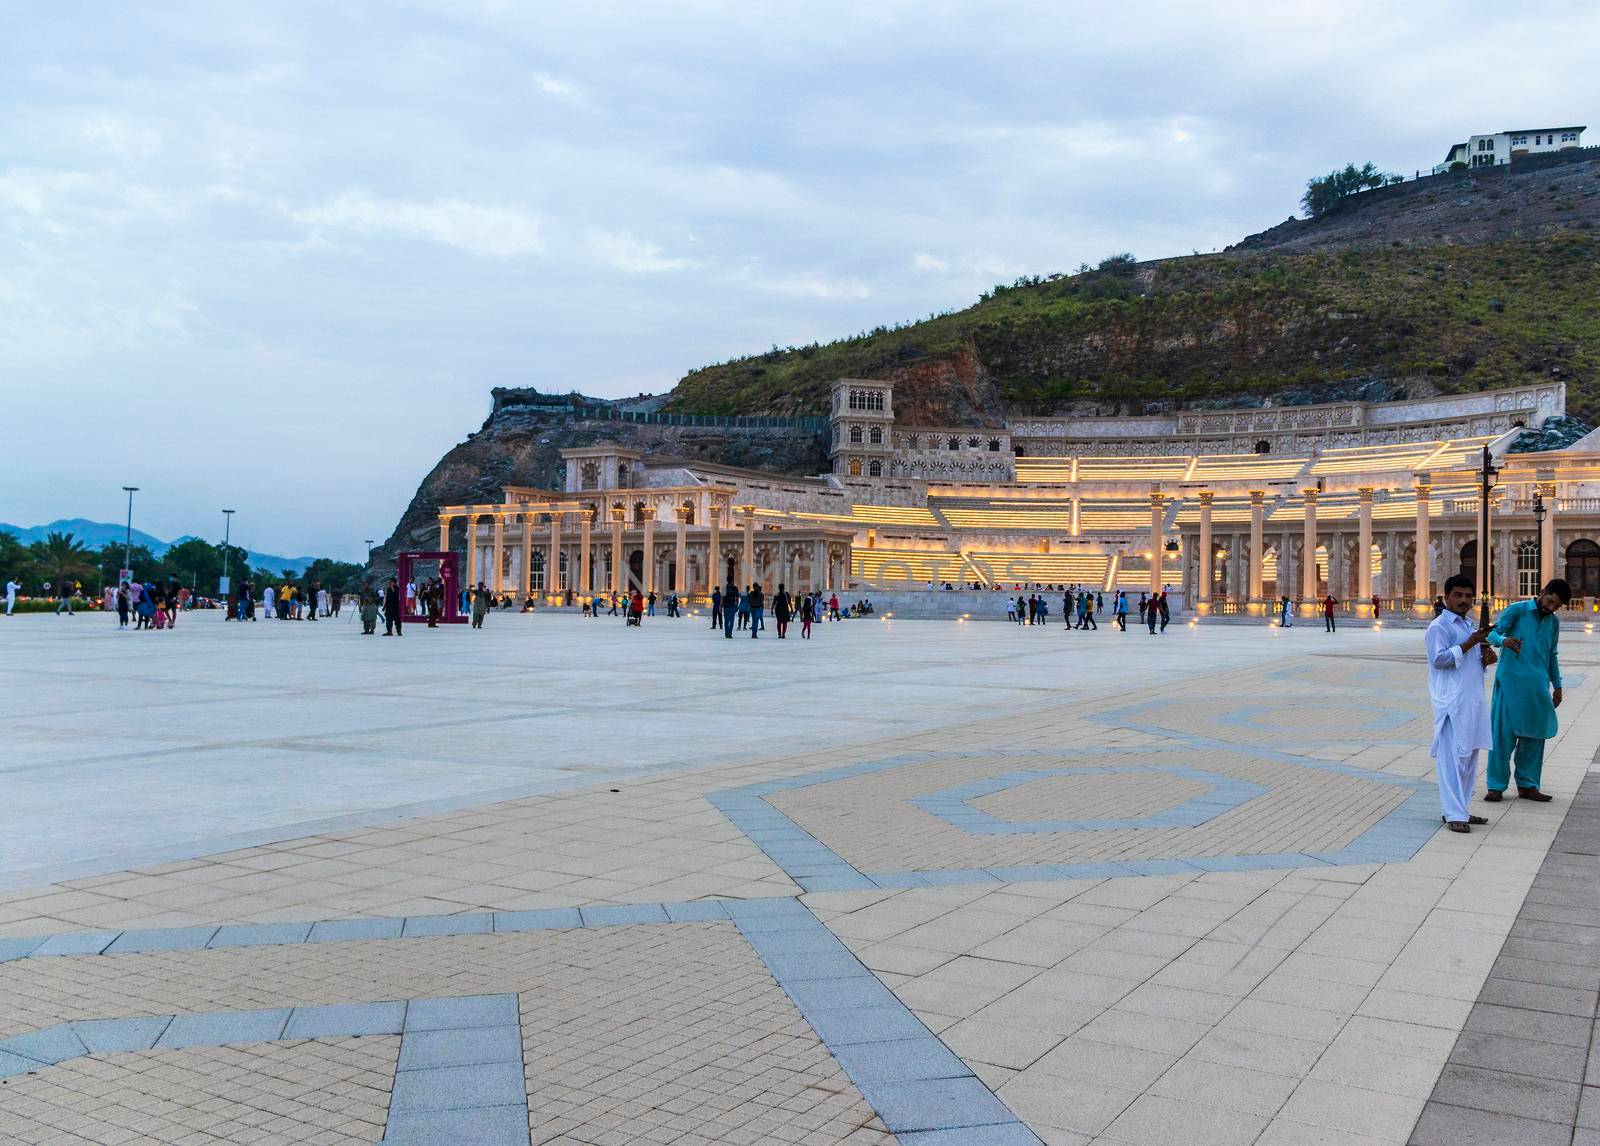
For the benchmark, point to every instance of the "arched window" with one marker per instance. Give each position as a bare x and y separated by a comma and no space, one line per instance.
1528,569
952,442
1583,568
994,445
911,442
876,436
688,512
1019,451
590,478
972,443
1263,447
875,468
640,512
855,435
855,467
536,577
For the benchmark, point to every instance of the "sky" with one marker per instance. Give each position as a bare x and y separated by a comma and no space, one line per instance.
272,257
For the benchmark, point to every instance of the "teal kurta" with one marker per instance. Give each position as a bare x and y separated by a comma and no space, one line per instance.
1523,680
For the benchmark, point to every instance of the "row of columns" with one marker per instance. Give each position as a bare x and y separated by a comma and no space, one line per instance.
617,575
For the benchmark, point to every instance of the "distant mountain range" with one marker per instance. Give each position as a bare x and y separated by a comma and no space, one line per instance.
97,533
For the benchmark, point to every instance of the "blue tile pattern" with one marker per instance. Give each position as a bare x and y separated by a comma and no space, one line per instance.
954,805
816,867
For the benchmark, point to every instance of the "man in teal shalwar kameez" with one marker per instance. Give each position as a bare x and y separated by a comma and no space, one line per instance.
1527,689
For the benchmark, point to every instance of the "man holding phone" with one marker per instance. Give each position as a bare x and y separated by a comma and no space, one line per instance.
1457,656
1527,690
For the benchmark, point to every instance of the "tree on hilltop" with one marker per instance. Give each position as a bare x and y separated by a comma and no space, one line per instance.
1326,192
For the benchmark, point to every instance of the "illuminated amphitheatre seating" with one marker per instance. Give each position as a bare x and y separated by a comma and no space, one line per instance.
1358,460
1246,467
1173,468
981,513
1049,568
1044,471
1462,453
912,566
1114,516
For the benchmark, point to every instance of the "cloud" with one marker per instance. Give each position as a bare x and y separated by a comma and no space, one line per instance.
634,256
925,262
485,231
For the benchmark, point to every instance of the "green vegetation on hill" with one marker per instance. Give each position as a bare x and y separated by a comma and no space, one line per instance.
1226,327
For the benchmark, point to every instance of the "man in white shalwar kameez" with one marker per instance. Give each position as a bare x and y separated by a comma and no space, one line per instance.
1457,657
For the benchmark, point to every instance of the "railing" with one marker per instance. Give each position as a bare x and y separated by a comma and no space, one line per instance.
725,421
1562,505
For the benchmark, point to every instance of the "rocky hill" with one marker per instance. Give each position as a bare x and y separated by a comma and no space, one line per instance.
1464,282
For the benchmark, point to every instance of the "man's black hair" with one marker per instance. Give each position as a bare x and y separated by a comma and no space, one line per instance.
1560,588
1458,581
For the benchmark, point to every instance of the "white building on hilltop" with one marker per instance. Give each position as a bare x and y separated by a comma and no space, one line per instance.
1502,147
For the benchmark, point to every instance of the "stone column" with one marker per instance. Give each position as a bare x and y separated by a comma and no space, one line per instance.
649,551
617,561
1075,521
1203,590
680,575
525,574
818,555
714,570
585,581
552,564
1308,564
1257,502
1547,534
472,551
496,582
1424,566
1158,541
444,533
1364,553
747,575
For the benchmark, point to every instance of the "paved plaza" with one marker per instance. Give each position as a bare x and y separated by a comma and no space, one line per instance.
927,882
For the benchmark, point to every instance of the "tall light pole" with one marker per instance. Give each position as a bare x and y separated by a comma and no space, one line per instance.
127,541
369,550
227,532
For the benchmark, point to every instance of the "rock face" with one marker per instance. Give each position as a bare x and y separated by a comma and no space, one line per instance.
520,443
1556,434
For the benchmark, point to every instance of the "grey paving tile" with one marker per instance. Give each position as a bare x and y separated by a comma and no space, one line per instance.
904,1060
473,923
161,939
462,1011
345,1019
12,1065
259,934
482,1126
1538,997
607,915
50,1045
1444,1125
225,1028
1002,1134
340,930
866,1025
1518,1095
704,911
940,1104
459,1087
1558,1062
76,943
547,919
460,1046
103,1036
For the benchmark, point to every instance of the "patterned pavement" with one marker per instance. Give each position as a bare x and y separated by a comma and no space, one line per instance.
1217,910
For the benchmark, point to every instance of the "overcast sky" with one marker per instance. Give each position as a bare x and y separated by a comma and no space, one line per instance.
274,256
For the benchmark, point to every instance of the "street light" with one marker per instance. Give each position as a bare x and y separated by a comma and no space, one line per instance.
127,541
227,532
369,541
1539,512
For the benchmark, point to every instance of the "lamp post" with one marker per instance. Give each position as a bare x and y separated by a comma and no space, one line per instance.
1486,475
127,541
369,541
1539,512
227,533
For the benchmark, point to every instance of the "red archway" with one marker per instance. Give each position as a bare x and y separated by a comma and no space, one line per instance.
449,573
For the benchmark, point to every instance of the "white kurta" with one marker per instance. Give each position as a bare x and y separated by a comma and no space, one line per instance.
1455,686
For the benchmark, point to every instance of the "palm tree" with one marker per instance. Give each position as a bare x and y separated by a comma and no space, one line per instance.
61,558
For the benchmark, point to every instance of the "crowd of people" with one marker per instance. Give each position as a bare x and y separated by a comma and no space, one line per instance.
1081,607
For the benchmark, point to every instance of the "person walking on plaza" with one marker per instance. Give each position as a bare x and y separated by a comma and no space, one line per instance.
781,610
12,589
1286,611
392,607
833,606
1328,605
650,605
730,609
480,605
1152,614
1527,690
745,605
716,607
122,605
369,612
1377,607
1120,605
1457,657
758,605
64,601
636,609
1166,613
808,613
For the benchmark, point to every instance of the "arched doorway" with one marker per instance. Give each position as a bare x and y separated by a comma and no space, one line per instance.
1469,565
1583,568
636,567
